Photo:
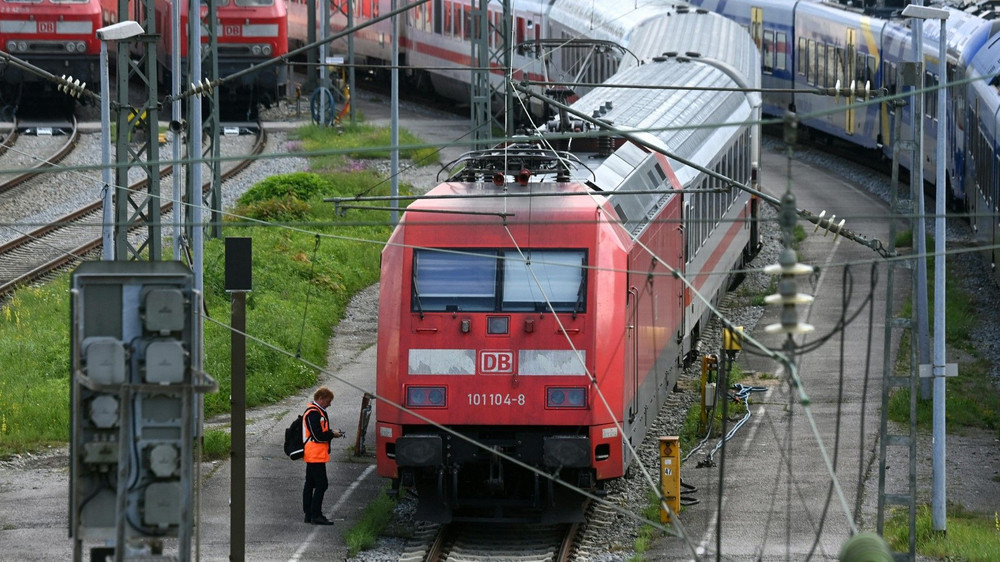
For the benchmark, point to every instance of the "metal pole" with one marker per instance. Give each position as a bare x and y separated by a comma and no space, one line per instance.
350,58
237,484
107,220
394,118
324,26
176,113
917,183
938,511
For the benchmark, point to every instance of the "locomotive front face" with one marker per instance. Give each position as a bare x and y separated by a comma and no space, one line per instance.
491,351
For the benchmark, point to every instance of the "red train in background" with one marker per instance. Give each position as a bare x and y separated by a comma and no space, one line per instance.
55,35
249,32
530,322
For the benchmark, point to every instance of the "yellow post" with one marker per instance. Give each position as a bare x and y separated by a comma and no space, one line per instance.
670,476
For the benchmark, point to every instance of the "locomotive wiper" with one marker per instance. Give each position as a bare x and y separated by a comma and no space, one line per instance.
416,292
581,290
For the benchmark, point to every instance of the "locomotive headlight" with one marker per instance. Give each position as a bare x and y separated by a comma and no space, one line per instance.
426,397
11,46
255,50
71,47
266,49
81,46
566,397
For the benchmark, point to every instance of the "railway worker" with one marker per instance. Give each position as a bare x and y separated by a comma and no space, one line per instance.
317,434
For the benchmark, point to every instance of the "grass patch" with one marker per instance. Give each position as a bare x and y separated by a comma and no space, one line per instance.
216,445
302,285
970,398
34,348
647,533
375,518
359,141
970,537
970,401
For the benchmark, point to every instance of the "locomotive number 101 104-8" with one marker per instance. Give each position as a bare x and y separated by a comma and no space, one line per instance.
495,399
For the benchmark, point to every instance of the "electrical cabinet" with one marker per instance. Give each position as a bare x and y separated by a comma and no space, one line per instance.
136,373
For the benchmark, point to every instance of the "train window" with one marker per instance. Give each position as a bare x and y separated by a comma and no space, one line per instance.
556,277
814,71
438,12
445,281
447,18
930,96
467,27
254,2
835,62
767,51
803,54
780,51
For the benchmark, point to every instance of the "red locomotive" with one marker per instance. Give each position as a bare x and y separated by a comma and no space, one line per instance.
534,310
55,35
249,32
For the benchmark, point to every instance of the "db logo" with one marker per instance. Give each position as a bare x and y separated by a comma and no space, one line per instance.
231,31
496,362
46,27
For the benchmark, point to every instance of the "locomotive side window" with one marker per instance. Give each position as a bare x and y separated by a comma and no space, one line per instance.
495,281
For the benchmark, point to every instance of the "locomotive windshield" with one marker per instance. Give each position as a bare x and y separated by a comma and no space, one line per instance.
499,281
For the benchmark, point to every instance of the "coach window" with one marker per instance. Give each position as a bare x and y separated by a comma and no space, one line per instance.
767,51
467,25
836,66
803,54
930,96
818,58
780,51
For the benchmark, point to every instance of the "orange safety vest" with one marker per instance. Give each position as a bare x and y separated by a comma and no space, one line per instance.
315,451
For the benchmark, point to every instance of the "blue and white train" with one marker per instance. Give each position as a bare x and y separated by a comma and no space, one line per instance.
808,45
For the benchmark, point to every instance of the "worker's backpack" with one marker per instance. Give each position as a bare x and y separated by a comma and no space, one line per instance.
294,447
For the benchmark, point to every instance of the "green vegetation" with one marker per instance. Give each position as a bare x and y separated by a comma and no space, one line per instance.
373,521
971,398
359,141
971,401
34,350
215,445
693,431
648,533
970,537
303,281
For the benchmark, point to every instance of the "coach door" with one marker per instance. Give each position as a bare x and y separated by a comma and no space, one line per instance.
757,26
632,353
849,75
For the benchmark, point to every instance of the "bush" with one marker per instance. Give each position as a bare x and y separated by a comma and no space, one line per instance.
285,209
302,186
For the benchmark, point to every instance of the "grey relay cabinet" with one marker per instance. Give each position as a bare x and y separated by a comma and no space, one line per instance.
136,375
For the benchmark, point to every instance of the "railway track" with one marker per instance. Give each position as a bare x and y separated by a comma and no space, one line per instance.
36,254
507,542
42,164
